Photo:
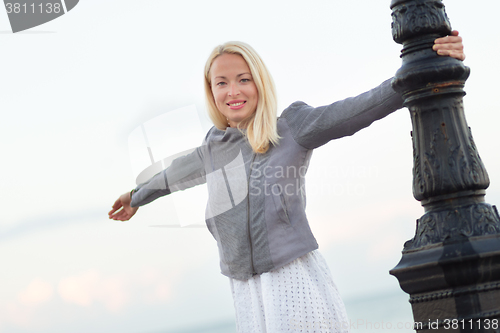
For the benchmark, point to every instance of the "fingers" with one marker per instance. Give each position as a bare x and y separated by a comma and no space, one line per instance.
453,41
448,43
454,54
453,37
450,46
114,213
123,203
122,211
116,206
121,215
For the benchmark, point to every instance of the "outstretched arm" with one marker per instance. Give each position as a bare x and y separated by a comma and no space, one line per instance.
184,172
450,46
313,127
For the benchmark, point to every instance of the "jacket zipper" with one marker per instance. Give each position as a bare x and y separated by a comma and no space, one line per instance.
248,213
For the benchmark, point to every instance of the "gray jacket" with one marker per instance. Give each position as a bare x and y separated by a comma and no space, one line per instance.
256,205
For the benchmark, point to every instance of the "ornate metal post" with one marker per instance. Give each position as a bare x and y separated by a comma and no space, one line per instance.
451,268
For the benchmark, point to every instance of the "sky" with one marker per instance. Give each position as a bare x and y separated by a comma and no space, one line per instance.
75,90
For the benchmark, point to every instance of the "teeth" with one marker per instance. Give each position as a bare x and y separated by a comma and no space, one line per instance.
236,104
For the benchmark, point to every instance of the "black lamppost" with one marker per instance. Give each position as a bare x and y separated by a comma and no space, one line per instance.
451,268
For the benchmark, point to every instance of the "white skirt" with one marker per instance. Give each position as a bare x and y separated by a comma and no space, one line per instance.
298,297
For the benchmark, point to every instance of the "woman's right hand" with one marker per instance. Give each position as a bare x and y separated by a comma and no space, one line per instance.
126,211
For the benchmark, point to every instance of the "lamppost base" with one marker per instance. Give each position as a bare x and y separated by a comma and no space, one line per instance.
454,285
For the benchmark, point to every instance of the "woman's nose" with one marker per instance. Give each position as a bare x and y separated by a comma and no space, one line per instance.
233,90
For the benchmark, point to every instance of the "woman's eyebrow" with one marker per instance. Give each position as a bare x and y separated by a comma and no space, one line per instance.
223,77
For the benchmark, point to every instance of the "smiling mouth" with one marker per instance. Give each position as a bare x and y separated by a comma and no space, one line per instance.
236,104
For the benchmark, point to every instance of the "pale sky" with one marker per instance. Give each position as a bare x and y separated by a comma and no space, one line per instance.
74,90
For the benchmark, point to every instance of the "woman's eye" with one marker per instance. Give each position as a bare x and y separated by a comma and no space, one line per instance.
220,83
245,80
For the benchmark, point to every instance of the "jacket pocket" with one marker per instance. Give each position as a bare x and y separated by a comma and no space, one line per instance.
280,204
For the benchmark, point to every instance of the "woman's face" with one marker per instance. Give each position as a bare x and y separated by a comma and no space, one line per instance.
233,88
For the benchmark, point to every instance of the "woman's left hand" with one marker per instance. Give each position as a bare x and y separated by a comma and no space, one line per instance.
450,46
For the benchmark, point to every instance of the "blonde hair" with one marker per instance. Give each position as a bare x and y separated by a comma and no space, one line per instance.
261,125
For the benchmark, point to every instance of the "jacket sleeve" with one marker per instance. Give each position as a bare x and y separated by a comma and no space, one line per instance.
184,172
312,127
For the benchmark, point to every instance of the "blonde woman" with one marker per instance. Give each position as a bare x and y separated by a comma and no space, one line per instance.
254,165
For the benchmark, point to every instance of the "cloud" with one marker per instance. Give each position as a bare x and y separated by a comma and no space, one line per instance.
36,293
15,314
26,317
79,289
90,287
115,292
30,307
22,311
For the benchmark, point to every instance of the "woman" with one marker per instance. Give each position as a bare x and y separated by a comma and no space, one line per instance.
254,165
